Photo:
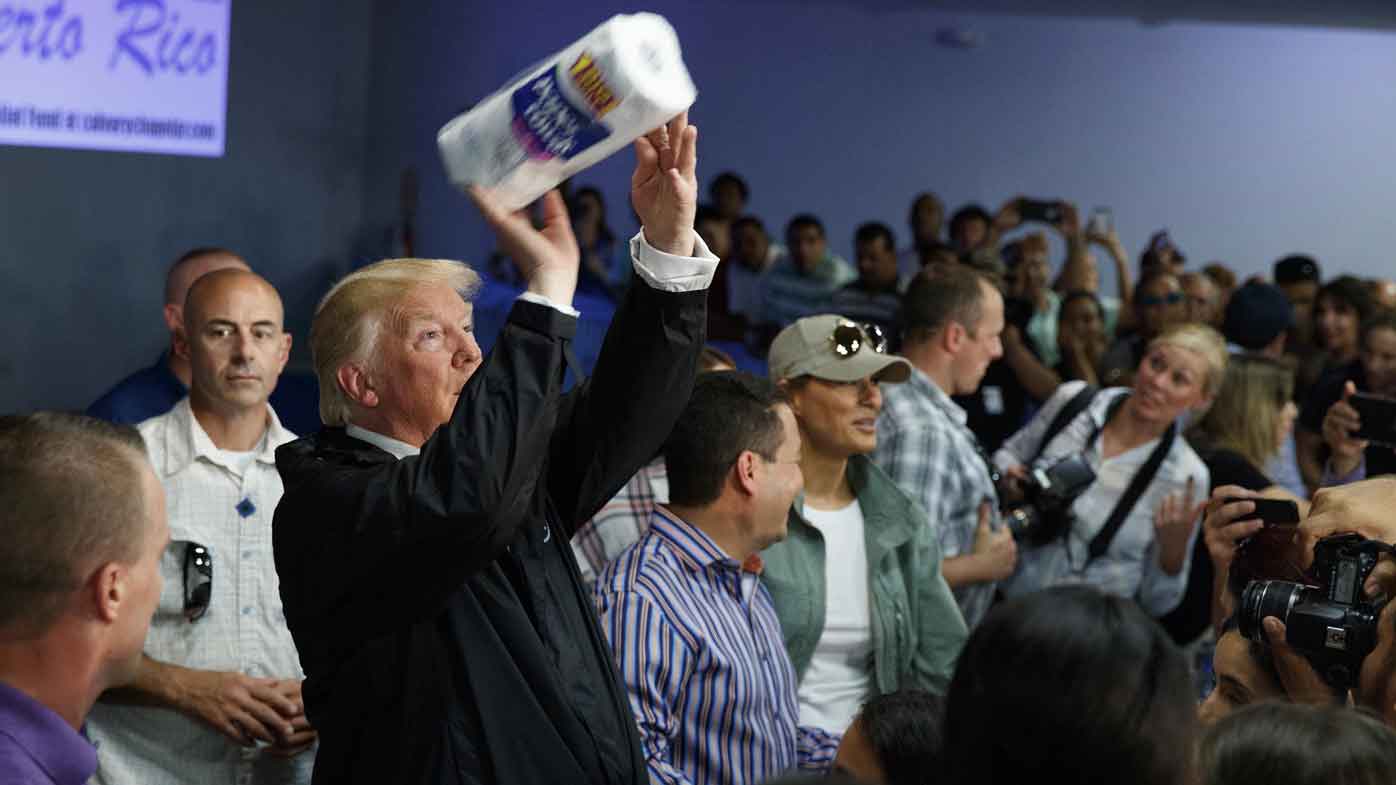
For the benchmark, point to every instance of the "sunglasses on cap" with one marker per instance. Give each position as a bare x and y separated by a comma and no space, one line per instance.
849,338
1172,298
198,581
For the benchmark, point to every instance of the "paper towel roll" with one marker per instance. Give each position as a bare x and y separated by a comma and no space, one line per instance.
598,95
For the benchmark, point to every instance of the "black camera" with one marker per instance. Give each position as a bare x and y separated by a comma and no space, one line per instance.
1045,510
1328,620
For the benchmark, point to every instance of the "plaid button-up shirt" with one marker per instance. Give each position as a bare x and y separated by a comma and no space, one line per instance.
925,447
622,522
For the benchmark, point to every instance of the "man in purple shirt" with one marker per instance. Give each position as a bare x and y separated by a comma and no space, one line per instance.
79,579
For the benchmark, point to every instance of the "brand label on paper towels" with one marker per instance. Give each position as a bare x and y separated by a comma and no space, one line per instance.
586,75
548,125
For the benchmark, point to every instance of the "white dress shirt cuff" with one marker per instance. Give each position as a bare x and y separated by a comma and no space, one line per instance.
669,273
538,299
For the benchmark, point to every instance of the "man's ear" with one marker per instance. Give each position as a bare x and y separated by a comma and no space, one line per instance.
109,589
285,354
174,316
181,341
354,381
952,337
745,472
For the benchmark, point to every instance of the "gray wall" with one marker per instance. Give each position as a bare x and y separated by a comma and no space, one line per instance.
1247,142
88,235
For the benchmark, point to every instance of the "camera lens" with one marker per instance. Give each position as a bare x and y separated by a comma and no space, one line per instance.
1265,598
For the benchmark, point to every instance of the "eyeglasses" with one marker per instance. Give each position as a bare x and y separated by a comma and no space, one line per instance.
1172,298
198,581
849,338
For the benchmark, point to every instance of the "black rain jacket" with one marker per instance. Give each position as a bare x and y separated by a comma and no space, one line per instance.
435,602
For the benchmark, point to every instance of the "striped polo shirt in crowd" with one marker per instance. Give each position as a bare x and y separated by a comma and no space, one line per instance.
699,647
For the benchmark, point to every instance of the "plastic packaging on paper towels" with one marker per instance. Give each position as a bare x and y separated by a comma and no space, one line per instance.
620,81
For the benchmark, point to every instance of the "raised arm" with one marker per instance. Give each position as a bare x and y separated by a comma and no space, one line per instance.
362,547
1039,380
1110,241
1078,271
616,422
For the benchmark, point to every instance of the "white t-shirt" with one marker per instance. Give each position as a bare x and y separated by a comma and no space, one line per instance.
237,460
839,677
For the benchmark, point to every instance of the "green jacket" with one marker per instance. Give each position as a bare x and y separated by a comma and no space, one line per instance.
917,629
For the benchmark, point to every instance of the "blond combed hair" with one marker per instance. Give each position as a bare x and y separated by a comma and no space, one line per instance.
1245,418
351,317
1203,341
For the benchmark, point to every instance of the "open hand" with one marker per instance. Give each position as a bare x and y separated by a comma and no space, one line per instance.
1174,521
664,187
547,256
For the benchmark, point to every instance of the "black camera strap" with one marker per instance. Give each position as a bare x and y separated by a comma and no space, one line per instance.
1140,483
1065,416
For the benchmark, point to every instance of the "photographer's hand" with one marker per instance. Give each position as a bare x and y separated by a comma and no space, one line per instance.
1222,528
1011,486
992,557
1006,219
1300,680
1173,525
1341,421
1070,224
1363,507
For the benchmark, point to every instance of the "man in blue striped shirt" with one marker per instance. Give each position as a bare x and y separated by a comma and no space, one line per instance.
691,626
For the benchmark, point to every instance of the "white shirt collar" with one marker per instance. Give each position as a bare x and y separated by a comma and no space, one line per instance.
395,448
186,440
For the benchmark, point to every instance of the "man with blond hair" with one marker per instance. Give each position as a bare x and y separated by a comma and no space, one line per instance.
218,695
423,540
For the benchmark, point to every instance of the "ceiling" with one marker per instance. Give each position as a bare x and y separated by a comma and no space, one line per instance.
1369,14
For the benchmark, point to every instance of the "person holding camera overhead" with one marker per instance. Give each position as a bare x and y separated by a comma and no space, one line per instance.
1135,488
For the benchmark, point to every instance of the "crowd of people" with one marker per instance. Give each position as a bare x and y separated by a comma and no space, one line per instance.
978,522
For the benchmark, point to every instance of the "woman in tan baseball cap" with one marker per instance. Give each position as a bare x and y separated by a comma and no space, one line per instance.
857,585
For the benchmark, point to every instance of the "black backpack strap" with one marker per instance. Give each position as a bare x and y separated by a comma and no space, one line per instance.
1101,542
1069,412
